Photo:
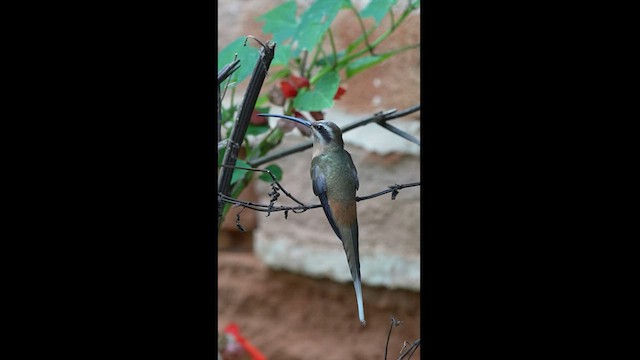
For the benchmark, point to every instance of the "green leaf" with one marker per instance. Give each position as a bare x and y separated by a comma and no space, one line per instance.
238,174
254,129
262,109
248,56
266,144
262,99
364,63
329,59
282,55
257,129
281,22
221,155
282,73
321,97
378,9
314,23
275,170
228,113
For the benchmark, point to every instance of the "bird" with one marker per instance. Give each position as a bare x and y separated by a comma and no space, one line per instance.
334,180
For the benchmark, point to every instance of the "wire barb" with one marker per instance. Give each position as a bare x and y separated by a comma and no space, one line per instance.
300,208
379,118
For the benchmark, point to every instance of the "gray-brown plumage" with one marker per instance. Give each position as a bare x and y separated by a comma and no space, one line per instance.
335,181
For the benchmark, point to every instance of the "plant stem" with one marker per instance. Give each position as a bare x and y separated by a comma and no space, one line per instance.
303,61
317,53
242,123
364,32
344,61
333,49
397,51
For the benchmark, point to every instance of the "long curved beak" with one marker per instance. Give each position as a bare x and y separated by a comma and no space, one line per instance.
299,121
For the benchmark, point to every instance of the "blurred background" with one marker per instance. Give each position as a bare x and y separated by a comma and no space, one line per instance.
285,283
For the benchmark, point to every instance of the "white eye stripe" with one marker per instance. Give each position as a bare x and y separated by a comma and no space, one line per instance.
326,133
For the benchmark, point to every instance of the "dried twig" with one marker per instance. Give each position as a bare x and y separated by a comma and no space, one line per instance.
242,122
395,323
392,189
225,72
302,208
412,349
266,208
399,132
409,351
273,177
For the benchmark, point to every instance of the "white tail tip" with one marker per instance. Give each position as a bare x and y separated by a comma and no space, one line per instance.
358,288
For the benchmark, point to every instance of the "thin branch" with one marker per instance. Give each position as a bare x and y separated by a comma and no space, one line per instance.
303,61
222,144
219,117
266,208
384,116
377,118
227,70
256,39
273,177
316,53
399,132
386,346
232,108
359,40
238,225
302,208
412,349
395,323
226,75
364,31
334,53
392,189
399,50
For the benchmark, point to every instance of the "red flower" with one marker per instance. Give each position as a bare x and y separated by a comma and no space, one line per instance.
317,115
299,82
258,120
291,85
288,90
339,93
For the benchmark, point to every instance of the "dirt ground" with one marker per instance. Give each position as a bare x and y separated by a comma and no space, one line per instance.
290,317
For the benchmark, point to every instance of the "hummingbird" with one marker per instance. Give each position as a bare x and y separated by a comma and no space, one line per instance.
334,180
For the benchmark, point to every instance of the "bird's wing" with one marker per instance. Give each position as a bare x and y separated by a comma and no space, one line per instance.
354,171
320,189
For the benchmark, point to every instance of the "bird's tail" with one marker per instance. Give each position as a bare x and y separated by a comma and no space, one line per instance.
350,243
357,285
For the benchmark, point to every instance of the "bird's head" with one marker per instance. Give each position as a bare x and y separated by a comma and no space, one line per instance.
325,133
